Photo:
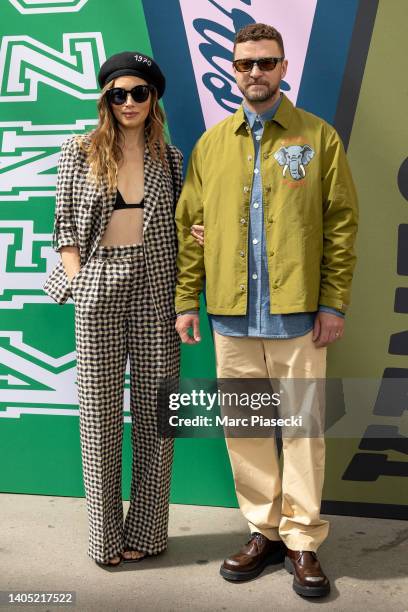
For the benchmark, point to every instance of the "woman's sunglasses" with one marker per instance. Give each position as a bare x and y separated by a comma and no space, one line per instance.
118,95
263,63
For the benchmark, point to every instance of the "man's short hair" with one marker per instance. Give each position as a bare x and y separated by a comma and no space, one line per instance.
258,31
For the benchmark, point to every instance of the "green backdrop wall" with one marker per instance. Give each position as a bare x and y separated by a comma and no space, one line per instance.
346,63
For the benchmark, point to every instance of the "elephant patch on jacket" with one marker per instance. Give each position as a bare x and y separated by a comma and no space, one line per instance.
294,159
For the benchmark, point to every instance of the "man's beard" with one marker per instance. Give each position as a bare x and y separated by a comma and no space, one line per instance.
267,92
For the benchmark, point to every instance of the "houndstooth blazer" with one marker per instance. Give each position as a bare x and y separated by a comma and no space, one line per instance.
83,210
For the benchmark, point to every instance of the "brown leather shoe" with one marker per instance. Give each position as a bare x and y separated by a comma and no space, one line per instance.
252,558
308,577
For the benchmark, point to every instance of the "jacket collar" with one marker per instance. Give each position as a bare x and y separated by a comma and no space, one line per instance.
282,116
153,176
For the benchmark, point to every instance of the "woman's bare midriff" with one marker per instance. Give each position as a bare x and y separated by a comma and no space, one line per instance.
124,227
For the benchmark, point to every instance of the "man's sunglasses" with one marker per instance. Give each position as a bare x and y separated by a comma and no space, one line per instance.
263,63
118,95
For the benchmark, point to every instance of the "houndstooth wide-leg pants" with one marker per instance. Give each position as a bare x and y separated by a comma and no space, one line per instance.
114,318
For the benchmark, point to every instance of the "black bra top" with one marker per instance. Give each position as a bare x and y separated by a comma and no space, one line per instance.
120,202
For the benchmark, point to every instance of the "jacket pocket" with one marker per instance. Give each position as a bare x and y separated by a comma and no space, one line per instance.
75,277
57,285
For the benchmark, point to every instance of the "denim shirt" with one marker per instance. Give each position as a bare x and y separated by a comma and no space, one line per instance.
258,322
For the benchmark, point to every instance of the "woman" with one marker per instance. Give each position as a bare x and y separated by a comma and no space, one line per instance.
114,227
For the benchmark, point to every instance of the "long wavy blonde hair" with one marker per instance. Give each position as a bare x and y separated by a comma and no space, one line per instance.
103,145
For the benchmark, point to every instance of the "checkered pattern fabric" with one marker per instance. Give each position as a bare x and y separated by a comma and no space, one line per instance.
83,210
114,318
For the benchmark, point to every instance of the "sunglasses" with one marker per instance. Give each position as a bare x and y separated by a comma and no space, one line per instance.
118,95
263,63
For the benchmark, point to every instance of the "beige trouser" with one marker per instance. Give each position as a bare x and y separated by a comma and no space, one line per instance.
287,507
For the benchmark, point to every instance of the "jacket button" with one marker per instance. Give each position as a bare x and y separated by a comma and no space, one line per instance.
246,189
275,285
266,155
267,189
242,287
242,253
249,157
272,253
243,220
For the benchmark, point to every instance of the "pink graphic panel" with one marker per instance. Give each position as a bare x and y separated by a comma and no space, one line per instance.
210,23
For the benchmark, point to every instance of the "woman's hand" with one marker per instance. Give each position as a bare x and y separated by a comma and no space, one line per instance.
70,260
197,231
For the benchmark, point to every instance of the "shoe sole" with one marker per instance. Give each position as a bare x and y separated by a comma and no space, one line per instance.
306,591
234,576
124,560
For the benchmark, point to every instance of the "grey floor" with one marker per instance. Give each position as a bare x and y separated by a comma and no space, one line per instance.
44,540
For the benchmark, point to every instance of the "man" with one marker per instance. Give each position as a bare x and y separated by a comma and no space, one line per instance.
272,186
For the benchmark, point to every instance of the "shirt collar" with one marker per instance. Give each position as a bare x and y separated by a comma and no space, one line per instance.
283,114
266,116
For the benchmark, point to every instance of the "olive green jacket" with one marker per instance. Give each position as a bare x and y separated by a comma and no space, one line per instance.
310,215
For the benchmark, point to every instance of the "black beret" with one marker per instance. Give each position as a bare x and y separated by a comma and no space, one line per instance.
135,64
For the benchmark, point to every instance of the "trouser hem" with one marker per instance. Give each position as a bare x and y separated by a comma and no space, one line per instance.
270,533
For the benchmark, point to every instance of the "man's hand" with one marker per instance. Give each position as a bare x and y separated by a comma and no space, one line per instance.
197,231
327,329
184,323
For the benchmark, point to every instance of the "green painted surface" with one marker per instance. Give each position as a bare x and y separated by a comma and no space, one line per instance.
41,453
